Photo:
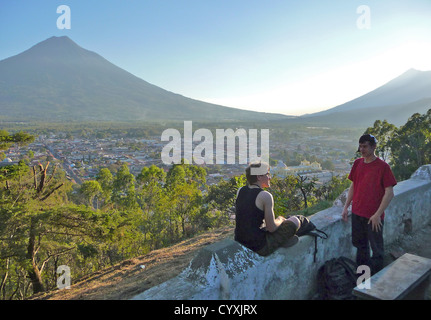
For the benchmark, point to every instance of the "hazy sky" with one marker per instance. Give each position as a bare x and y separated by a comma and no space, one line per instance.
290,57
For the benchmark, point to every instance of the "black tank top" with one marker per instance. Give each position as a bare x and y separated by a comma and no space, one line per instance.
248,219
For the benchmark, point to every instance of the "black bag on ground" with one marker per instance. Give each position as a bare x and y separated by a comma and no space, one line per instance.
336,279
309,228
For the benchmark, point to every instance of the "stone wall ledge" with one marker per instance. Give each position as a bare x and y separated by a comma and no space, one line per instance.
227,270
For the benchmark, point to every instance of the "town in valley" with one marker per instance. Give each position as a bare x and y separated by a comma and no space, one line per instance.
320,152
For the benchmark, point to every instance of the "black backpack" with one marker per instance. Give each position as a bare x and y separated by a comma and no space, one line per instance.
309,228
336,279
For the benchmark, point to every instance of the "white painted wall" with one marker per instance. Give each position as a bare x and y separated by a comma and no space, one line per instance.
227,270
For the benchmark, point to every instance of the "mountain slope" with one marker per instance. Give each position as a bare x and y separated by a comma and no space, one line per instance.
58,80
395,114
395,101
411,86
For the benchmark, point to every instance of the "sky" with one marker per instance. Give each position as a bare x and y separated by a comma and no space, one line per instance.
279,56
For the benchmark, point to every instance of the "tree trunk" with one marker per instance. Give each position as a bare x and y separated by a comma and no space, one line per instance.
305,197
183,226
34,273
36,279
3,283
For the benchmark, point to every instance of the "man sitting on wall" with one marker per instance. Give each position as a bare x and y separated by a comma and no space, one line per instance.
254,209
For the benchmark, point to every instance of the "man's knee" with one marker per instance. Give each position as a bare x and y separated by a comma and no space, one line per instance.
296,221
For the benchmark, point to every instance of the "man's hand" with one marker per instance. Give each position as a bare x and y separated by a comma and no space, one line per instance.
348,202
375,220
376,223
344,214
281,218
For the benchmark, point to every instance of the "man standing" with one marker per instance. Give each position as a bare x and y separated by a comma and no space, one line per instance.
370,194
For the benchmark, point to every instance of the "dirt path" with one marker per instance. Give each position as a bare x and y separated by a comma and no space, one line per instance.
130,277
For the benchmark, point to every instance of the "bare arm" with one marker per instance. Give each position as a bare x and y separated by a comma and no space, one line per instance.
348,202
265,202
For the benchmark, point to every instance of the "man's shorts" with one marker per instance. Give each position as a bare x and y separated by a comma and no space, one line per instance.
278,238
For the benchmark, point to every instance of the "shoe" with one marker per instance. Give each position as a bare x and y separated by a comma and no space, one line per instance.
291,241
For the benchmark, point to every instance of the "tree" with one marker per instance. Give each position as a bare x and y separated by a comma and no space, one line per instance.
221,197
39,228
89,190
6,140
383,131
405,148
332,189
20,138
33,215
188,200
306,188
123,188
151,175
24,204
105,179
184,184
152,200
285,194
411,145
328,165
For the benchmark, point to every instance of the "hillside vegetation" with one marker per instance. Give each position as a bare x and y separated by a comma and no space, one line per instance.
131,277
120,221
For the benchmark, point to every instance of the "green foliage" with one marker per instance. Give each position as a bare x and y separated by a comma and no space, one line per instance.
406,148
89,190
6,140
13,171
286,196
105,179
21,138
383,131
411,145
123,188
221,196
301,194
319,206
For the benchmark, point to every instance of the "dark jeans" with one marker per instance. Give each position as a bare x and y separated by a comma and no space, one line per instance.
362,238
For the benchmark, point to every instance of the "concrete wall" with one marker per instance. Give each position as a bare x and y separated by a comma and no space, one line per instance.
227,270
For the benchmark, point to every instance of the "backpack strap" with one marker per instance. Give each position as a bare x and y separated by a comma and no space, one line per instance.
349,266
317,233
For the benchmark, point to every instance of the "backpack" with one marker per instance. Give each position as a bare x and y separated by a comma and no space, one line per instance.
309,228
336,279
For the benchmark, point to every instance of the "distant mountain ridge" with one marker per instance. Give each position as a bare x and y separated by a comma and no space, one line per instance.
394,101
58,80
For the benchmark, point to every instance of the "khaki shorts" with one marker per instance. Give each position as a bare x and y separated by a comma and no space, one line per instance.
278,238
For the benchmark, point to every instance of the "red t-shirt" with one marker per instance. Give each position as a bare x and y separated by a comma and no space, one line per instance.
369,183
